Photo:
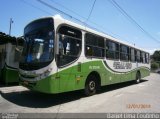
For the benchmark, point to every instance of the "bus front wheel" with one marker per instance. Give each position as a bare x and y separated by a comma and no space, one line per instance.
91,85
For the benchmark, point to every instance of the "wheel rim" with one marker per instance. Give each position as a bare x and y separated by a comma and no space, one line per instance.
92,85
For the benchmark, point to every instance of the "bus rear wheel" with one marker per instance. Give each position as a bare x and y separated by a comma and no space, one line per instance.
91,86
138,77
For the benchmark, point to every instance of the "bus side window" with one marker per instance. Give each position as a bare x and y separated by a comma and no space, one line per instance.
69,45
94,45
143,57
89,51
112,50
124,55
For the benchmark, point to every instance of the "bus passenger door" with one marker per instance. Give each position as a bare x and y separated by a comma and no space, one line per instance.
69,49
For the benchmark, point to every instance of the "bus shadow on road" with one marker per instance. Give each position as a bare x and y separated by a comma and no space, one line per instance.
40,100
119,85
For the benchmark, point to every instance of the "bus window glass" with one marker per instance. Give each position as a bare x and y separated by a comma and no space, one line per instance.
142,57
112,50
69,45
94,45
38,49
124,53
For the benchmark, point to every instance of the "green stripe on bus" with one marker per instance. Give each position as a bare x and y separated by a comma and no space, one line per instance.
71,79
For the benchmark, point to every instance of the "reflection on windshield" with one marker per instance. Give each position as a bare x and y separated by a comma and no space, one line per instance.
39,46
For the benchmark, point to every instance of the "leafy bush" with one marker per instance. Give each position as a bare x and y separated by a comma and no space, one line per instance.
154,65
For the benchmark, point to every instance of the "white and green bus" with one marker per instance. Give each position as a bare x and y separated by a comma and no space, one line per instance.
9,58
60,55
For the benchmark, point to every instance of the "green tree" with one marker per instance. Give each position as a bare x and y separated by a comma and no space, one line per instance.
154,65
156,55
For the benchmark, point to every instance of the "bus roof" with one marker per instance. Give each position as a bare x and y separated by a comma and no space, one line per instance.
83,27
62,20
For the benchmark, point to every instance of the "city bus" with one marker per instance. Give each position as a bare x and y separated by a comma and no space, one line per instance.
9,58
60,55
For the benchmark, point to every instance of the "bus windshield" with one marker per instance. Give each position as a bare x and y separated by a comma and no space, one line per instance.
39,43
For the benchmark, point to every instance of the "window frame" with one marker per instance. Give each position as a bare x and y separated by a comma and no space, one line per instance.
128,53
143,53
116,51
57,36
93,46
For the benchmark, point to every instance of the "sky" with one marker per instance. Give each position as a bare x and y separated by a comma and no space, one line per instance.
104,17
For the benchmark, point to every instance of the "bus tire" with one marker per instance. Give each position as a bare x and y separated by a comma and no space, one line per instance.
91,85
138,77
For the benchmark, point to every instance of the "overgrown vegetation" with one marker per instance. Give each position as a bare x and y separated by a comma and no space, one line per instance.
155,64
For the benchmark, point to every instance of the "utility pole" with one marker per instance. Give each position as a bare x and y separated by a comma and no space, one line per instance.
10,26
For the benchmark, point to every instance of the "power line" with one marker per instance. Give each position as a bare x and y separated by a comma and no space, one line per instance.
119,8
35,7
101,26
98,25
91,10
115,5
46,4
70,15
62,12
68,9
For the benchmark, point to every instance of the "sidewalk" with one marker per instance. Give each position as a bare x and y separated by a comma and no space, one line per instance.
12,89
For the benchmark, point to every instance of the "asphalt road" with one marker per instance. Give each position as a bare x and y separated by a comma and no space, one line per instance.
120,98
